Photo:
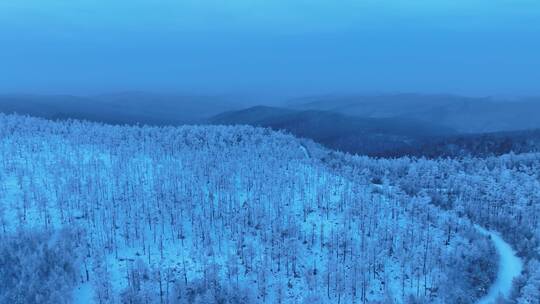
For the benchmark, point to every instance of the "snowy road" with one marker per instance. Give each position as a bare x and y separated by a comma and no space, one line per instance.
510,266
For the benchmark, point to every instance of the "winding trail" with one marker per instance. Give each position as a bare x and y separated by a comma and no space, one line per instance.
510,266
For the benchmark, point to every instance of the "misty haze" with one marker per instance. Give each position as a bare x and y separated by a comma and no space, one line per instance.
208,151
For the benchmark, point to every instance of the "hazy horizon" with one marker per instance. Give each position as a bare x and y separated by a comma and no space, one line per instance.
277,48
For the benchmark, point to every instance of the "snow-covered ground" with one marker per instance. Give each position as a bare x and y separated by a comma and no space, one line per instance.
510,267
238,207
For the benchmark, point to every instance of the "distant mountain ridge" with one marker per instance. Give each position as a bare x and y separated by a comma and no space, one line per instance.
464,114
376,125
383,137
120,108
337,131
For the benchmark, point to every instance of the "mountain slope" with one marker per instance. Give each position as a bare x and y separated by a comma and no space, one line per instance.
214,214
465,114
347,133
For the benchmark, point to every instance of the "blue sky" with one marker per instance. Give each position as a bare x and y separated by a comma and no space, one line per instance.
282,47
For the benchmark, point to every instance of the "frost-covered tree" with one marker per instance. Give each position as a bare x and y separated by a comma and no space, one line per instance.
242,214
38,267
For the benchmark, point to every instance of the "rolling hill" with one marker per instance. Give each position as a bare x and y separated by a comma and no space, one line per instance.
464,114
120,108
337,131
94,213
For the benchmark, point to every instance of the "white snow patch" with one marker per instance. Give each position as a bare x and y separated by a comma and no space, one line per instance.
83,293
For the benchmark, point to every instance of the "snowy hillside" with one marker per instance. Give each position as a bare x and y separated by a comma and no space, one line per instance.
498,193
107,214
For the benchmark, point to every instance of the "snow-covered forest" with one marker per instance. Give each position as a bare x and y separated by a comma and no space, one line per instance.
93,213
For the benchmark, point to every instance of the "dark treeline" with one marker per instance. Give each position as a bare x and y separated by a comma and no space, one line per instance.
469,145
